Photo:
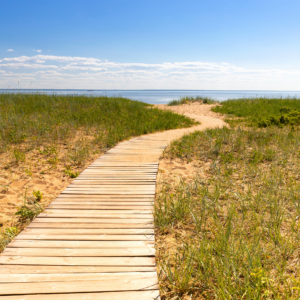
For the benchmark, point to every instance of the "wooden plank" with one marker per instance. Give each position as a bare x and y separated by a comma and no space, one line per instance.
118,172
107,193
96,183
80,244
74,287
103,163
92,177
86,231
110,197
112,186
141,185
100,203
104,198
102,189
122,168
99,207
107,174
139,175
100,211
132,295
74,277
116,191
117,178
103,201
88,225
113,181
118,175
150,251
101,215
77,261
99,188
115,214
89,237
106,201
61,220
28,269
108,171
123,165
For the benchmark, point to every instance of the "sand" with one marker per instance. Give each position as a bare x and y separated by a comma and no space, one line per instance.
197,109
35,173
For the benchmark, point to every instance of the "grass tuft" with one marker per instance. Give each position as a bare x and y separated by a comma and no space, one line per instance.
191,99
261,112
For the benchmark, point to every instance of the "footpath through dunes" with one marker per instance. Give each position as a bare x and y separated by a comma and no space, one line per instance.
96,239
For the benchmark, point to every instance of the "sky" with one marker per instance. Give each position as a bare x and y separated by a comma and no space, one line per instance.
150,44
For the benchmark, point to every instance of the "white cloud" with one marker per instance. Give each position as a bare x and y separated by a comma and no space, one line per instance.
27,65
9,50
38,51
49,71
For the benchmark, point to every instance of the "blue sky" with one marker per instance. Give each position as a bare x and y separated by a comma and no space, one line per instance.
143,44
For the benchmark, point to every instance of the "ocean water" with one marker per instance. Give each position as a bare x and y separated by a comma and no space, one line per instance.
163,96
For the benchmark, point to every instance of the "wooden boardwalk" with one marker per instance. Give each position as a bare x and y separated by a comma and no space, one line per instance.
96,239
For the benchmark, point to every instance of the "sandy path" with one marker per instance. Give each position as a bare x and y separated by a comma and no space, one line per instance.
170,170
199,112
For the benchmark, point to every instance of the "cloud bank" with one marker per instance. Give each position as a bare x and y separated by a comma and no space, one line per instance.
67,72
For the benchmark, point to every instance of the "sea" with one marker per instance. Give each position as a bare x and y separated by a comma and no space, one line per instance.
164,96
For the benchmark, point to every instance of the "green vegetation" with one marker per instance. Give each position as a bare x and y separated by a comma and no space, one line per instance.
7,235
30,208
261,112
38,195
191,99
70,173
233,232
26,213
38,118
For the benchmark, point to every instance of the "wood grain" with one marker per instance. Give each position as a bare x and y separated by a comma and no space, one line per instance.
96,239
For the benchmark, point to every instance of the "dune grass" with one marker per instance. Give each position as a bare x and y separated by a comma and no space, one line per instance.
261,112
191,99
36,118
233,233
57,136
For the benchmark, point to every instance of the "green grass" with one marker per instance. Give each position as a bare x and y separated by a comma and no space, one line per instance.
191,99
30,209
38,118
233,233
259,112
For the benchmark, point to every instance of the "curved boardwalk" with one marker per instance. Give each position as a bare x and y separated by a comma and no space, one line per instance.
96,239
